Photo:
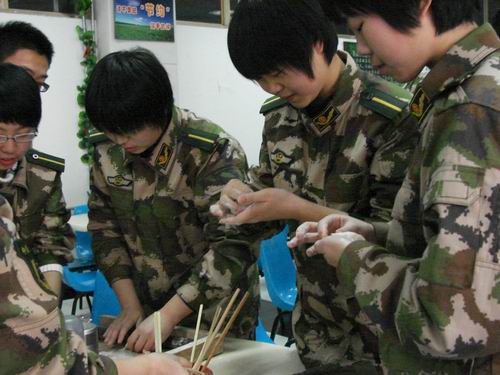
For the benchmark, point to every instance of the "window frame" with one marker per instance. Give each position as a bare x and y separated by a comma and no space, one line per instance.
4,8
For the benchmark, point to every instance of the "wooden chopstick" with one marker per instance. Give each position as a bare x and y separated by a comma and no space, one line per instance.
214,339
197,364
226,329
157,329
196,332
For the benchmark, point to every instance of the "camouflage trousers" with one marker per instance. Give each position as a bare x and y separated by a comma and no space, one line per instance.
326,330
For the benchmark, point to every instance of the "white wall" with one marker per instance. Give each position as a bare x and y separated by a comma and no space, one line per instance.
60,111
166,52
203,79
212,88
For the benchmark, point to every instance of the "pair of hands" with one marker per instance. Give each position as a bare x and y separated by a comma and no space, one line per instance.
331,236
238,204
142,338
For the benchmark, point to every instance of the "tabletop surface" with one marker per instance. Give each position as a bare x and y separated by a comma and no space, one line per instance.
242,357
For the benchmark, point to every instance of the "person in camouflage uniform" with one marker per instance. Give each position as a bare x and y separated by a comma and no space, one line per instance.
431,293
31,180
335,139
151,189
34,338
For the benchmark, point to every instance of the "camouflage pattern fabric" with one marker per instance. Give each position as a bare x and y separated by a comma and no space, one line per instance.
150,221
33,337
433,293
355,163
40,212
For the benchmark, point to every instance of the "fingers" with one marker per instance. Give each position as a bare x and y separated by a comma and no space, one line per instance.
138,342
330,224
305,238
244,217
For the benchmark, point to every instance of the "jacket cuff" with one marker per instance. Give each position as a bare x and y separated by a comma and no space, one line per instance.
116,273
349,265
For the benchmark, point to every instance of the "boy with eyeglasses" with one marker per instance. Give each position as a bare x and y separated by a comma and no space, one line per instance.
432,289
29,179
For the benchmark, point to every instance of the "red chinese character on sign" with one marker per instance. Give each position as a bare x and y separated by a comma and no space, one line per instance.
150,9
160,11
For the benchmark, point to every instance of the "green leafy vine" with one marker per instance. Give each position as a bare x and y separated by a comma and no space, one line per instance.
86,37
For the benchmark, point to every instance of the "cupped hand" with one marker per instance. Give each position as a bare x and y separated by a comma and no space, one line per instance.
118,329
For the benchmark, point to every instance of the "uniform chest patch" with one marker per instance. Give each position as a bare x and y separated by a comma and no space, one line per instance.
279,158
419,104
163,156
324,121
119,181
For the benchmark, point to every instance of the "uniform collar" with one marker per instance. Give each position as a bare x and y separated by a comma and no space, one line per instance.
160,157
324,118
458,64
21,177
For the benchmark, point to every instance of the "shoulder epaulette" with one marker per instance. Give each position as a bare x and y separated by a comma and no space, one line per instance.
97,137
46,160
199,138
383,103
272,103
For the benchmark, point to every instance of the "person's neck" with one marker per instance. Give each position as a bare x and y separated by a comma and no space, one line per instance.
334,70
448,39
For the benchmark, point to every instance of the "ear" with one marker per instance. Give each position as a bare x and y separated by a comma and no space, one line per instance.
425,7
318,47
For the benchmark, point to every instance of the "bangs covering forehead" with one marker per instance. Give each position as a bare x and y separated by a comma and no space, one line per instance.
20,101
404,15
267,35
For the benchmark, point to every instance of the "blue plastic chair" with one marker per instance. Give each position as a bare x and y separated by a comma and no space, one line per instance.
82,282
105,300
280,274
261,334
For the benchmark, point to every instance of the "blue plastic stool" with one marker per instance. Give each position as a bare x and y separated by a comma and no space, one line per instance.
105,300
280,274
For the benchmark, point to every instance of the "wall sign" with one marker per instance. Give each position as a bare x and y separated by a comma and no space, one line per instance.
144,20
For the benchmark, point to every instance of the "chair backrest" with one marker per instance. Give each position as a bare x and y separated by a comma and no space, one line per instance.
84,247
105,301
279,271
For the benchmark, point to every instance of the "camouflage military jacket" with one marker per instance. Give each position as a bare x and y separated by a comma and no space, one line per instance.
40,211
434,292
351,156
150,220
33,337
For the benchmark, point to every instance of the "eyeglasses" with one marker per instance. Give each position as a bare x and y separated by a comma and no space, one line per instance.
19,138
44,87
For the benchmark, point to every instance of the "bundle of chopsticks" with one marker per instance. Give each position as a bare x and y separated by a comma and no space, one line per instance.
214,338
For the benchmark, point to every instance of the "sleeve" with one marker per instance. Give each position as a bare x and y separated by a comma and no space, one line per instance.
445,303
388,169
109,248
54,241
34,339
230,261
261,176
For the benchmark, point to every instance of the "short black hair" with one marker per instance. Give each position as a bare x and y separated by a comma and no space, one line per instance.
496,22
16,35
267,35
129,91
20,101
403,15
